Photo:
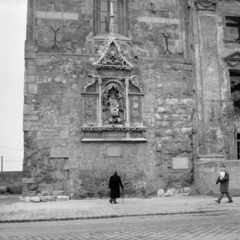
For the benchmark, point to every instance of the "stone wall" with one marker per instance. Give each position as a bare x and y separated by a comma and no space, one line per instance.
60,50
12,181
10,178
206,173
217,120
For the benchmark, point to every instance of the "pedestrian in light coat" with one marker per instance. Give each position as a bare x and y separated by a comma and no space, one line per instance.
115,183
223,179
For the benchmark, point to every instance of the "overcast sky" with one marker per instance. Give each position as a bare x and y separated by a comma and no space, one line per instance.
13,16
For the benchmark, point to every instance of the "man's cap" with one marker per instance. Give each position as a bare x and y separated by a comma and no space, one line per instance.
222,165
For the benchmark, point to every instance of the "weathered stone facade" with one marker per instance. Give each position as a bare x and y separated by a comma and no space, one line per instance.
177,110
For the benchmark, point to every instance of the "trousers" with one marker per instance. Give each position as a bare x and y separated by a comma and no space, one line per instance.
227,194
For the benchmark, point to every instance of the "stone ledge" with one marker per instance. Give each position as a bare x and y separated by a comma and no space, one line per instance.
114,140
120,129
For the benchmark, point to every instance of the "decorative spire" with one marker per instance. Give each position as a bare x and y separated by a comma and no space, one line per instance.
111,20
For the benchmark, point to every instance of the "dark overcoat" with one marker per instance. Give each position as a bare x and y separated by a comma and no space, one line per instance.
224,183
115,183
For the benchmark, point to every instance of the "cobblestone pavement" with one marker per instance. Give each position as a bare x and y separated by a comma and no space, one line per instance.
204,226
101,208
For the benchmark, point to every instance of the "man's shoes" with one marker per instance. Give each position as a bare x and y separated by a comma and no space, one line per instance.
115,202
110,201
217,201
230,201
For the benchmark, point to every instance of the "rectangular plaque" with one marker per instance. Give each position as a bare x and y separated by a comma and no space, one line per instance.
180,163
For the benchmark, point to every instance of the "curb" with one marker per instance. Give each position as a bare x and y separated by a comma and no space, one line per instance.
108,216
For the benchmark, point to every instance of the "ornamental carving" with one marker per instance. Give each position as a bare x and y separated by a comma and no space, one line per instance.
135,110
113,99
112,57
134,85
113,106
206,4
90,110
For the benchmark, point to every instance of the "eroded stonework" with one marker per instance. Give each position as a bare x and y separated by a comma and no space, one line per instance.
147,104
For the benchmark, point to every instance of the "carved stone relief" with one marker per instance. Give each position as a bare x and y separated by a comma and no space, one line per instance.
113,99
113,104
135,110
90,110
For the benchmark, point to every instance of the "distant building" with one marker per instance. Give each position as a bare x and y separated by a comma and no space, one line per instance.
147,88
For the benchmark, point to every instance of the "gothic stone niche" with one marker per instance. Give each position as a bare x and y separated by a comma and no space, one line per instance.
114,111
113,106
113,102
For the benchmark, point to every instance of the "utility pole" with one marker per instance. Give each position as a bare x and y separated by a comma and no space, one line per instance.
1,163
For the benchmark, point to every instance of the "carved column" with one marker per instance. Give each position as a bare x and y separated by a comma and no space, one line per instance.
99,102
127,124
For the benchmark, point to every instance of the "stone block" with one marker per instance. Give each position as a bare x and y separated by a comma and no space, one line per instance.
57,15
28,180
180,163
174,191
29,78
27,199
30,70
30,54
114,151
31,117
64,119
59,152
159,20
22,199
62,198
32,88
58,193
28,109
168,194
160,192
47,198
31,193
186,189
35,199
64,134
29,45
3,189
27,126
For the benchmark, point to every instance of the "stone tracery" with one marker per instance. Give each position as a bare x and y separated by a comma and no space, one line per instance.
117,99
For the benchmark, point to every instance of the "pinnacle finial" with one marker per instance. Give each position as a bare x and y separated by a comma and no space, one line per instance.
111,20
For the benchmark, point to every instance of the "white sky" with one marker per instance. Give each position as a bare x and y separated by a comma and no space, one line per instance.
13,16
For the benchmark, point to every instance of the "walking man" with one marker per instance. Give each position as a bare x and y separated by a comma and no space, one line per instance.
223,178
114,184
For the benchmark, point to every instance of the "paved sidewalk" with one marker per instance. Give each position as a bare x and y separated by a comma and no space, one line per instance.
11,211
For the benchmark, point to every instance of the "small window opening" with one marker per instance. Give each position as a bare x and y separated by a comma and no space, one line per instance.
238,145
104,15
233,28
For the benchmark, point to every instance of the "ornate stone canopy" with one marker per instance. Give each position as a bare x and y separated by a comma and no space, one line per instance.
113,99
112,57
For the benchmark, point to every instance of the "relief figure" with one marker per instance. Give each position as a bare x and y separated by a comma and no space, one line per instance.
113,107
